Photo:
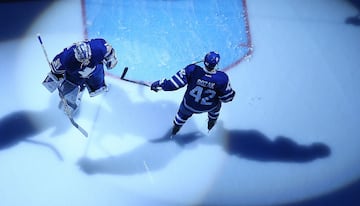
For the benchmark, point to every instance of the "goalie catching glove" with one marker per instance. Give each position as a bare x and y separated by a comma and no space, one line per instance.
110,60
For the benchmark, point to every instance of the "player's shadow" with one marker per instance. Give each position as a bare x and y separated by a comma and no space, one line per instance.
254,145
149,156
247,144
355,19
21,126
144,118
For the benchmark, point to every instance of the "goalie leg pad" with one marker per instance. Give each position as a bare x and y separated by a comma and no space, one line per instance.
71,93
101,90
96,83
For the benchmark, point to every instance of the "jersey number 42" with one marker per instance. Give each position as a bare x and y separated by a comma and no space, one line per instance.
202,95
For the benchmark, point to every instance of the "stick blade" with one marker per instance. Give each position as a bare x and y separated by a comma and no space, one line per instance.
124,73
82,130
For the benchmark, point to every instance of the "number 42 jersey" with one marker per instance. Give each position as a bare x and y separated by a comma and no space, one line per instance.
205,89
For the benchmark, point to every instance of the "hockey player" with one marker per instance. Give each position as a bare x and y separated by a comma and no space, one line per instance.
78,67
206,89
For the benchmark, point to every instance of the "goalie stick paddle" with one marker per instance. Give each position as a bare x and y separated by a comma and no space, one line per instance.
122,77
76,125
72,119
82,130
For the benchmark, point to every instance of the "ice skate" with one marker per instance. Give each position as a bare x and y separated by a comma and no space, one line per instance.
211,123
175,129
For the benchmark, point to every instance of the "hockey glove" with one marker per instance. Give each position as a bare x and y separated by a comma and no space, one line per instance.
155,86
52,81
111,60
57,77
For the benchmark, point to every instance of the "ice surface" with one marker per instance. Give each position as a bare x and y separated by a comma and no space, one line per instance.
300,87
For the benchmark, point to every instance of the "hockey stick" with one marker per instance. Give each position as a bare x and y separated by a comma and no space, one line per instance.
197,62
122,77
133,81
62,99
67,111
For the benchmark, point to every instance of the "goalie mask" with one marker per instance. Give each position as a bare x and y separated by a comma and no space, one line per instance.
211,59
83,53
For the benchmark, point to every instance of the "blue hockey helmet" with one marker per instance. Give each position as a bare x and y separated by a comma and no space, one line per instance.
83,52
211,59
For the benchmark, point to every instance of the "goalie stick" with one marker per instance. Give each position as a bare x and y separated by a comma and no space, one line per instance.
62,99
67,111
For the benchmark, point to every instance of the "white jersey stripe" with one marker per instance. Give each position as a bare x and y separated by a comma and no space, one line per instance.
174,83
180,80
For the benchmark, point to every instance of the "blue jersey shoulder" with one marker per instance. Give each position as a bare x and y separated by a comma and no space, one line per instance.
98,51
196,74
67,58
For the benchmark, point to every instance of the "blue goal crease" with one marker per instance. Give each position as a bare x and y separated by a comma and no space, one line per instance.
157,38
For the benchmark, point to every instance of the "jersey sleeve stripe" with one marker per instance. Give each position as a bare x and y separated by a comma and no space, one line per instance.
178,120
227,97
180,80
174,83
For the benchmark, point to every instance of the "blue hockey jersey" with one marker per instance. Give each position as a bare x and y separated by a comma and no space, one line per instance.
205,90
66,62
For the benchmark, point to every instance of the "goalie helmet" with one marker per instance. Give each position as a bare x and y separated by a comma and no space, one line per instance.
82,53
211,59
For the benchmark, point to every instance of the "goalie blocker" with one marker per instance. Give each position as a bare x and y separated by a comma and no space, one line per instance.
51,82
